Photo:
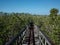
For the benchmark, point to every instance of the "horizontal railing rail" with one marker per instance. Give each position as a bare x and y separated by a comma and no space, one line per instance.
16,37
45,36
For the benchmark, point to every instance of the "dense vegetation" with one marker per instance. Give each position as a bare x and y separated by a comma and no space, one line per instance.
12,23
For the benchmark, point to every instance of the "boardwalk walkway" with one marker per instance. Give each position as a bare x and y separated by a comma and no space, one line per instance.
31,35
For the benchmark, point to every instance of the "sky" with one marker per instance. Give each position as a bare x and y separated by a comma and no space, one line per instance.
29,6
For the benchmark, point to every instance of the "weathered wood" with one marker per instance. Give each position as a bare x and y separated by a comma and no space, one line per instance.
15,38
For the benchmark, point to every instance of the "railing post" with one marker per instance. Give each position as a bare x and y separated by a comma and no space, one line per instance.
21,40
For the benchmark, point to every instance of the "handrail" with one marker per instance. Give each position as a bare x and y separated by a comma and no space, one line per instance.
17,36
49,40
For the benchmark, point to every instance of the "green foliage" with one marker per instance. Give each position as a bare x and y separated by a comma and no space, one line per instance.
53,13
54,23
12,23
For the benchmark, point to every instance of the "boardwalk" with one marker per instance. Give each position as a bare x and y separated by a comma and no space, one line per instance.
36,35
31,35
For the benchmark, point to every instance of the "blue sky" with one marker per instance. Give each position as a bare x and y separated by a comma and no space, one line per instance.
29,6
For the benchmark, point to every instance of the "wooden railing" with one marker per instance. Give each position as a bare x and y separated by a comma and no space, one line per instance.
17,39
